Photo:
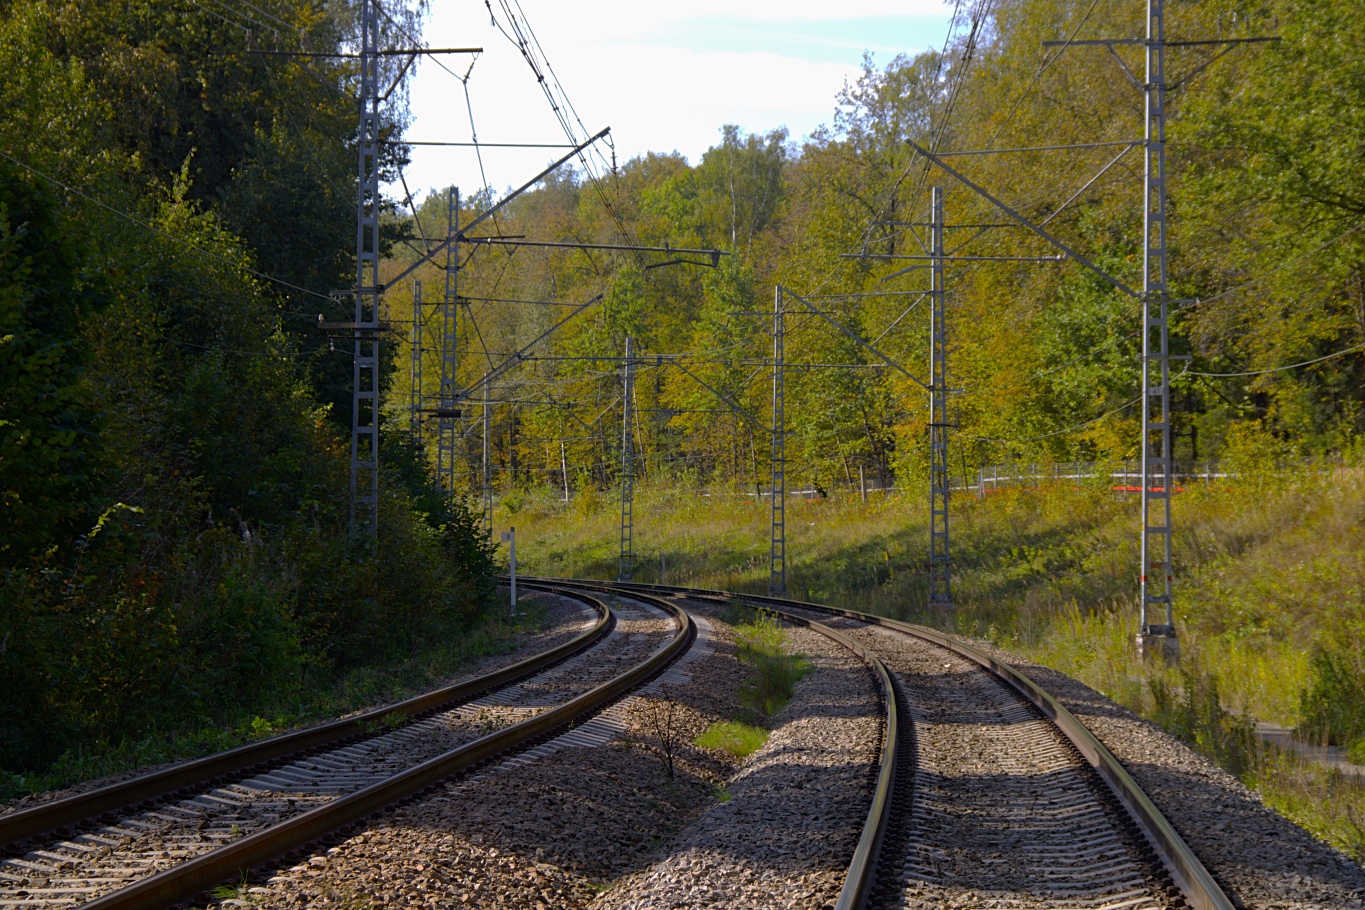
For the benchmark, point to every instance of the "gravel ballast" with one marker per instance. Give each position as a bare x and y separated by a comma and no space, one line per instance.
798,805
145,842
604,827
1263,860
1003,812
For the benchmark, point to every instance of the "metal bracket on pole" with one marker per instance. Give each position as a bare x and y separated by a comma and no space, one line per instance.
725,399
489,212
853,337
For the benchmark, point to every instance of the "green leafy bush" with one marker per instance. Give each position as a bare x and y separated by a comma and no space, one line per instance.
181,568
47,428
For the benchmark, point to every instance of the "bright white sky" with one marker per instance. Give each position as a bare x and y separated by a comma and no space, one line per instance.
663,76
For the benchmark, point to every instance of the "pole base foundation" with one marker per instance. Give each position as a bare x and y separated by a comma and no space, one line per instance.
1158,643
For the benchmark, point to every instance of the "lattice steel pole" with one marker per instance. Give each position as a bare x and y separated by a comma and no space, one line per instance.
1157,634
487,466
777,554
364,521
415,390
627,469
446,411
940,586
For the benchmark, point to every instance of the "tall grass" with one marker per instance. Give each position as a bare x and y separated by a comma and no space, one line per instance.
739,739
1323,800
773,672
1264,572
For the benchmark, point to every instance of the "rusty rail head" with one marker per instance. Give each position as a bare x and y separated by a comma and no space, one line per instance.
23,825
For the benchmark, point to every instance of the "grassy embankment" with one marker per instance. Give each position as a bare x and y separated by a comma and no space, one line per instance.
1270,596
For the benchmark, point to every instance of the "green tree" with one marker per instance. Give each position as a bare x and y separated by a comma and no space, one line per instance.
740,185
47,431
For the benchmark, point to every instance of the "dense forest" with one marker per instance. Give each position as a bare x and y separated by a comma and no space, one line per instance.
1267,262
174,551
177,203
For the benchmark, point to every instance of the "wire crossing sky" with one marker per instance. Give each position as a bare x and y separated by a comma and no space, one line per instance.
665,77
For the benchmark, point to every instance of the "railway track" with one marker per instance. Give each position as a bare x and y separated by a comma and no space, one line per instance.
991,793
164,838
988,793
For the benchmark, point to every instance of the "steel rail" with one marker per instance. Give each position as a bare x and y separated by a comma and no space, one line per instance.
862,869
28,824
232,861
1195,882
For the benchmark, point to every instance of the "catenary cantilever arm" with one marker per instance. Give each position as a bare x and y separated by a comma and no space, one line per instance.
734,405
878,354
489,213
520,355
1072,254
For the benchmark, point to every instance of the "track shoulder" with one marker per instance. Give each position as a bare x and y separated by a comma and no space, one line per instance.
190,873
1262,859
797,806
1198,885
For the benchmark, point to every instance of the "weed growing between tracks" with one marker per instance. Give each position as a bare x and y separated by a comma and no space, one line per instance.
739,739
761,642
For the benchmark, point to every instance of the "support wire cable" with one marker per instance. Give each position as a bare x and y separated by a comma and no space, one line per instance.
523,46
219,15
1279,268
416,41
253,20
1070,429
558,105
982,12
563,93
1048,60
1292,366
237,12
895,187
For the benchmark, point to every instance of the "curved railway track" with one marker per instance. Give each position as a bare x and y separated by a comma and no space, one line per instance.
164,838
991,793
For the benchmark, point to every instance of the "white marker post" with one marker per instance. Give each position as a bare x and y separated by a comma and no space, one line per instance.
509,537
